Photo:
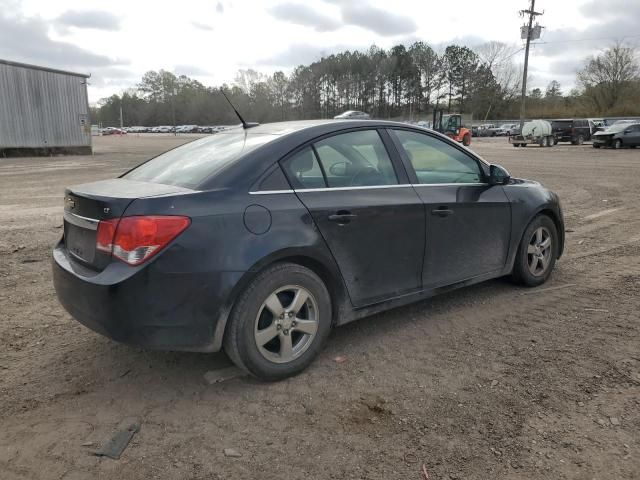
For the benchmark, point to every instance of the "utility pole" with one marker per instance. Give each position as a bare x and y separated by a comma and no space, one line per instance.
530,35
121,124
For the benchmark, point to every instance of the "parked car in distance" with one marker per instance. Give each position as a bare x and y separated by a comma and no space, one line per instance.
507,129
618,135
113,131
485,130
353,114
575,130
260,240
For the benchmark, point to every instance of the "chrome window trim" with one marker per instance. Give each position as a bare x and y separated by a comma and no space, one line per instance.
270,192
80,221
366,187
449,184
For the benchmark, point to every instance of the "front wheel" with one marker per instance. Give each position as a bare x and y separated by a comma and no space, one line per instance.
537,252
466,140
280,323
617,144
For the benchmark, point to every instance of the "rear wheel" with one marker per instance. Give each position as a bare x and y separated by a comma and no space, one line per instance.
595,145
466,140
280,323
580,140
537,252
516,145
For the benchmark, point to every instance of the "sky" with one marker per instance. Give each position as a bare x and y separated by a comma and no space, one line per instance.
117,41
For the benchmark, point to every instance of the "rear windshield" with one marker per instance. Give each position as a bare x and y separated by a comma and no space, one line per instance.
191,164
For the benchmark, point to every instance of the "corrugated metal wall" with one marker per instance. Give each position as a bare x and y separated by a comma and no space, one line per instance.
41,108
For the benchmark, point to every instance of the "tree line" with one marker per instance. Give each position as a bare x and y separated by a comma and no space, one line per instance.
399,83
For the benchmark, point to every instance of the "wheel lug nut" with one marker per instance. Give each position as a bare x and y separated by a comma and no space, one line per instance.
286,332
279,327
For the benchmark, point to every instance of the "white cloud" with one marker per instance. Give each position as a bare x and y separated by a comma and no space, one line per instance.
216,38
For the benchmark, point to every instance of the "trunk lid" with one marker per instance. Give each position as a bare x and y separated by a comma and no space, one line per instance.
86,204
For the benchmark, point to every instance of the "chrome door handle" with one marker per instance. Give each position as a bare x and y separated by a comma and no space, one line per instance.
442,212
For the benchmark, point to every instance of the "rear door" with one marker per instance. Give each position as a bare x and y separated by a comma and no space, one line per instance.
370,217
468,222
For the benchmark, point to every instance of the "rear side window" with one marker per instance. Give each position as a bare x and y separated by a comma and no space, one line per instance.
191,164
303,170
435,161
356,159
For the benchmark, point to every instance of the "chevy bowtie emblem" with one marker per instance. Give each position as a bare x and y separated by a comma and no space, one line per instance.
70,203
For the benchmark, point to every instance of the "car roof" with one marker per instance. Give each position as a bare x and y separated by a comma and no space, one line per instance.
286,128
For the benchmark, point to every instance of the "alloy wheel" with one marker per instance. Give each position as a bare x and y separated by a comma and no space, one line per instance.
286,324
539,252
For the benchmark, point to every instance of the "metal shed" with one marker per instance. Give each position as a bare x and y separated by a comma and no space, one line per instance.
43,111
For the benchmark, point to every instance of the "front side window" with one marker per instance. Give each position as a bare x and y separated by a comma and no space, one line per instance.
435,161
356,159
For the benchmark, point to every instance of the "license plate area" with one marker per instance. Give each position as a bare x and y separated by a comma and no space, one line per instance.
80,242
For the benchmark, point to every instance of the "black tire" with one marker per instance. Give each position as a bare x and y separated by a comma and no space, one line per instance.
239,342
521,270
595,145
580,140
555,141
466,140
516,145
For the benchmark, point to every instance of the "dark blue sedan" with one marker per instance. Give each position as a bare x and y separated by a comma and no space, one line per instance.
259,240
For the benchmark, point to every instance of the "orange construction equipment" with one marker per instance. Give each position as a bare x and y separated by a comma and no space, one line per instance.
451,126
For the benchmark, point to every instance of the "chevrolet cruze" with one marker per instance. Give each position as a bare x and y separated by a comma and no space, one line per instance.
259,240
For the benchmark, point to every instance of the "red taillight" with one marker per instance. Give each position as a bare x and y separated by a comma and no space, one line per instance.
136,239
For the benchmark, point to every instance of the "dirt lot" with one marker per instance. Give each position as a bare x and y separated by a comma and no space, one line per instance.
493,381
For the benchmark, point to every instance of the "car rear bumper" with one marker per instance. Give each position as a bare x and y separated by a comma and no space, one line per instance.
148,307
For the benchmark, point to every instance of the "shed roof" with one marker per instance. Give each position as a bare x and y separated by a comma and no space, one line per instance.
46,69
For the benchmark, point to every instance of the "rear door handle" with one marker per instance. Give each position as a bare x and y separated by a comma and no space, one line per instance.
442,212
342,216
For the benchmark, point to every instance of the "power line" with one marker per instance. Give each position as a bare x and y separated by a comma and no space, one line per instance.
587,39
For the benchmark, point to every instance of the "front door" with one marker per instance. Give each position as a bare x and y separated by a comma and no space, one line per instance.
632,138
468,222
374,226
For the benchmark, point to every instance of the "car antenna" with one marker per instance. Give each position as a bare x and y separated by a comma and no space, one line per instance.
245,125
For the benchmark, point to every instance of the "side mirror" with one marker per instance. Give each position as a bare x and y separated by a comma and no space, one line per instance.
498,175
339,169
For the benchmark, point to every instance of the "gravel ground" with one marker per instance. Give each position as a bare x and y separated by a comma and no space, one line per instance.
492,381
